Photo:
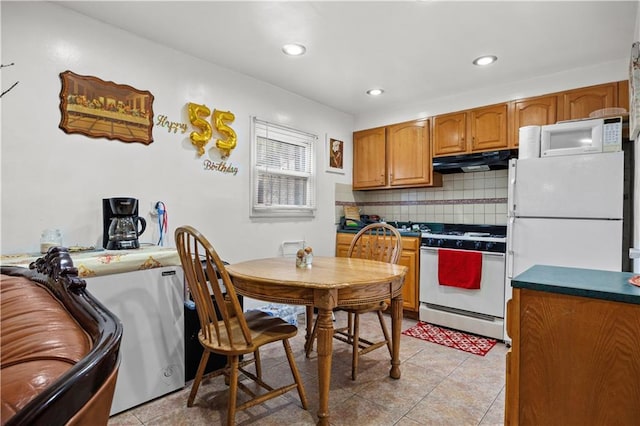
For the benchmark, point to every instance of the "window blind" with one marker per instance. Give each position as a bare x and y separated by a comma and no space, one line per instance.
283,171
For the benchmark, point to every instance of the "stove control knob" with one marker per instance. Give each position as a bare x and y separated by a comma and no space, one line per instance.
489,246
477,245
459,243
440,242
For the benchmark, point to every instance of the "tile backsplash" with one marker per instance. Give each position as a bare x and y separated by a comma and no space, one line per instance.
470,198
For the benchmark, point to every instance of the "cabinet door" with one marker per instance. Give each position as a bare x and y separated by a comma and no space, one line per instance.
578,361
579,103
488,128
343,241
369,154
409,154
623,95
532,112
449,132
409,258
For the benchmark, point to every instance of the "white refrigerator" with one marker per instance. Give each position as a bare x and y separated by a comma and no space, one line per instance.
564,211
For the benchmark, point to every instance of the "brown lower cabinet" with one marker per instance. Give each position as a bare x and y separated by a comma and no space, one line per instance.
574,360
408,258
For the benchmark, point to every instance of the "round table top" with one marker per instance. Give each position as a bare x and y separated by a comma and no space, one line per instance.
325,272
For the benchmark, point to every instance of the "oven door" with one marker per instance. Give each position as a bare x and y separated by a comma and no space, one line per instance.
488,300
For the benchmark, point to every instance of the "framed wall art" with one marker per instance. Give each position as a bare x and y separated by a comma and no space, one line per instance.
103,109
334,149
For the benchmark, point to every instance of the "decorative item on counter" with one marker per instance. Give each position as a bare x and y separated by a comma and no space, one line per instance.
308,251
304,258
50,238
76,248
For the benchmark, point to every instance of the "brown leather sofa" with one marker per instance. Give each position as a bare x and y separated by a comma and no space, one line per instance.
59,346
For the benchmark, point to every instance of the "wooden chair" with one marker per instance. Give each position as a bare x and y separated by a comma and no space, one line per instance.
378,241
231,333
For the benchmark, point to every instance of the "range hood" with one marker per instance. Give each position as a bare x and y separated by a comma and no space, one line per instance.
478,162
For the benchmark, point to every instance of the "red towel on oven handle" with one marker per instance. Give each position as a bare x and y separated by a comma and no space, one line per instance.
459,268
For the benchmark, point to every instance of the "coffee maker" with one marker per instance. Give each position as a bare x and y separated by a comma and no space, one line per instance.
121,224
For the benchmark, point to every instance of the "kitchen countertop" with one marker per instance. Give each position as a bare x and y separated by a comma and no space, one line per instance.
592,283
403,233
95,263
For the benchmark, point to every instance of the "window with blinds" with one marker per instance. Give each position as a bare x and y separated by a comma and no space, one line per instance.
283,172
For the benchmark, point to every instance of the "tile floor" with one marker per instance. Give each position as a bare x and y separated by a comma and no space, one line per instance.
439,386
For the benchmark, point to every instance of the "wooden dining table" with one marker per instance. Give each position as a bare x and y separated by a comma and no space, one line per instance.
330,282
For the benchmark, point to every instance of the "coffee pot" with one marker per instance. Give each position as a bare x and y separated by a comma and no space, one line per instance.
122,224
124,232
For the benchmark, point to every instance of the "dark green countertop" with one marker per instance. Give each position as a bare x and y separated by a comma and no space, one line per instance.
403,233
597,284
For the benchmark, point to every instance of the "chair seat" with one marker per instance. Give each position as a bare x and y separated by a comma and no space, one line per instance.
263,327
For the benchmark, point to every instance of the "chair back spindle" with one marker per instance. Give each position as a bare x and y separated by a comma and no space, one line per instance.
377,241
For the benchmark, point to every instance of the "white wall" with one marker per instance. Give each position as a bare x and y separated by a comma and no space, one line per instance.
53,179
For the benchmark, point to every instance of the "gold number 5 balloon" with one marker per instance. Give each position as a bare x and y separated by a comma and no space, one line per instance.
221,118
199,140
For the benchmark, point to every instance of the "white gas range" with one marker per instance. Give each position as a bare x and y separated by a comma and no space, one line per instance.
481,310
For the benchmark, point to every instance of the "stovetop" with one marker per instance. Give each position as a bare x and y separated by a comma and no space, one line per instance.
488,238
467,236
485,238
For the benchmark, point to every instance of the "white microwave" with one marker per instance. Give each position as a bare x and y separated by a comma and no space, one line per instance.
581,137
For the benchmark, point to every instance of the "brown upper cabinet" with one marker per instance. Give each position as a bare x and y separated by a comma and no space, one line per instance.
449,133
369,158
399,156
579,103
489,128
572,104
537,111
475,130
395,156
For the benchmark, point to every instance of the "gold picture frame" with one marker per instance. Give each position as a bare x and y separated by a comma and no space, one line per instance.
98,108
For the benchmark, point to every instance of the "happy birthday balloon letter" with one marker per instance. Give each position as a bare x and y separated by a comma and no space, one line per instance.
199,140
221,118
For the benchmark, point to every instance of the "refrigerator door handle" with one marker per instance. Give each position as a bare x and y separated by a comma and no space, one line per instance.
509,253
510,264
511,189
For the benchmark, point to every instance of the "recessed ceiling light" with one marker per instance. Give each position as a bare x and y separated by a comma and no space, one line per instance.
375,92
485,60
294,49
